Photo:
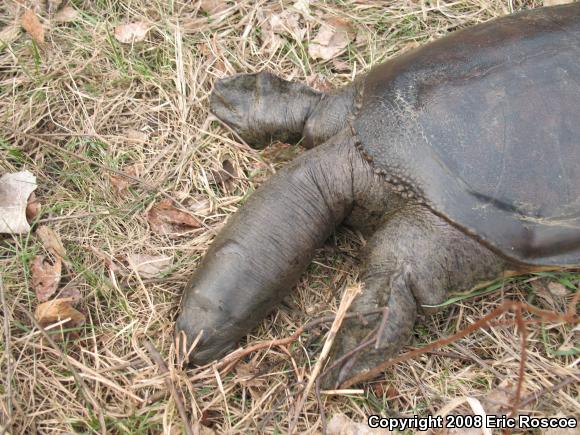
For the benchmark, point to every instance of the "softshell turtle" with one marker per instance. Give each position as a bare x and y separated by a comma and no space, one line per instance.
459,160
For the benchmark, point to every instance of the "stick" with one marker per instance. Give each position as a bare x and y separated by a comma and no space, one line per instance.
569,317
535,396
523,357
347,300
238,354
156,356
375,371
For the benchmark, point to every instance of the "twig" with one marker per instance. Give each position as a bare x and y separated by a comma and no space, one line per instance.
79,380
368,340
241,353
347,300
156,356
569,317
522,329
77,216
452,355
535,396
8,358
320,406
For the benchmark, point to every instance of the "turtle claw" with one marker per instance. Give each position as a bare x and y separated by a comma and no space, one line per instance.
262,107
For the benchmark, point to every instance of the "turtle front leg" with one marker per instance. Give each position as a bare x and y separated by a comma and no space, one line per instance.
264,248
263,108
412,261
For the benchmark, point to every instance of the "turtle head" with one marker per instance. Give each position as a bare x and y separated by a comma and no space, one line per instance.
262,107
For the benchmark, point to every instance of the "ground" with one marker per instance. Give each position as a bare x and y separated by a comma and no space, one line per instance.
82,108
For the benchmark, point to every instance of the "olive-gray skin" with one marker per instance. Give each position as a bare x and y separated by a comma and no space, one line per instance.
459,161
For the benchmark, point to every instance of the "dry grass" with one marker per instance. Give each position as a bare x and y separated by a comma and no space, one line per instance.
69,111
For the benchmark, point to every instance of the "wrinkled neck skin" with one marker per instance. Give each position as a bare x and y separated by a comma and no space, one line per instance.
329,115
262,107
259,255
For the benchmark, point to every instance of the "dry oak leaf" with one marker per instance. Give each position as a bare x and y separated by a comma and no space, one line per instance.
33,208
70,292
557,289
33,26
340,424
66,15
131,32
213,6
225,175
332,38
149,266
9,34
120,183
15,189
136,136
52,5
51,241
58,310
302,6
164,218
45,276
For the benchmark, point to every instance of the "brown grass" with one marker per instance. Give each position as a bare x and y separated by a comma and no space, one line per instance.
69,112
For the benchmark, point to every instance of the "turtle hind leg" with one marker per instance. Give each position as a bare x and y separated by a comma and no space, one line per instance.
414,259
262,107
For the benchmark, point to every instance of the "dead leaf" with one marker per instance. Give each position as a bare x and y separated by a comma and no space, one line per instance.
108,259
58,310
200,429
340,424
15,190
198,205
165,219
136,136
319,82
33,26
340,65
332,38
51,241
131,32
226,175
286,22
302,6
33,208
498,400
212,7
557,289
9,34
45,276
71,292
149,266
281,152
53,5
556,2
66,15
121,184
247,375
